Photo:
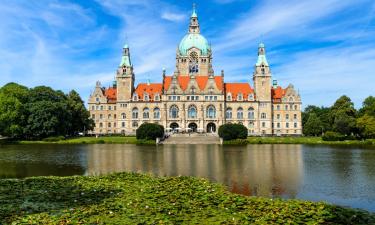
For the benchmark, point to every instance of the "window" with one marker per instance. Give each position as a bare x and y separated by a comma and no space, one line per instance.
286,107
211,112
109,107
109,124
101,107
250,113
229,97
114,125
291,99
263,124
287,116
295,107
239,97
173,111
146,113
146,98
287,125
263,115
109,116
93,116
100,124
228,113
278,107
92,107
97,99
251,124
123,124
239,113
156,113
192,112
123,115
157,97
295,125
278,125
250,97
135,124
101,116
135,97
295,116
278,116
135,113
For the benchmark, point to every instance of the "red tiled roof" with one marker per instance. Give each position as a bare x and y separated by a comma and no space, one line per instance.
111,94
183,81
278,92
236,88
151,89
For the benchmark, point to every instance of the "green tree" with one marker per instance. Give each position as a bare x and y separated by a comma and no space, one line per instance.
80,116
232,131
12,110
323,114
366,125
150,131
313,126
343,116
368,106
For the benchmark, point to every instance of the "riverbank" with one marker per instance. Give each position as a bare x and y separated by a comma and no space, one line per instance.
298,140
91,140
129,198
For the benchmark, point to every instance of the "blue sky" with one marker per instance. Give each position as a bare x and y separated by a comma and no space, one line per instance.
325,48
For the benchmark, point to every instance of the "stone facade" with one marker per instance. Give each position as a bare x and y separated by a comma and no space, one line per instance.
194,99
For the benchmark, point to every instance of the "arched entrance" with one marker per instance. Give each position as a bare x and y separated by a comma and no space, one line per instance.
211,128
174,126
193,127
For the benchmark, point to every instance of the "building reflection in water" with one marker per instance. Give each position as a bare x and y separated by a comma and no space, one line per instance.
261,170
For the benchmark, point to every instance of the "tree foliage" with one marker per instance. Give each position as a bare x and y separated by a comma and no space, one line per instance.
313,126
232,131
150,131
41,112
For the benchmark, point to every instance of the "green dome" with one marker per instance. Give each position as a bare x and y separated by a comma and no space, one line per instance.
194,40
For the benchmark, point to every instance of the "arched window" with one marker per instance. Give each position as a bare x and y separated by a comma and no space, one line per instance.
157,97
211,112
251,124
135,113
123,115
156,113
229,97
146,113
228,113
250,113
263,115
135,97
192,112
135,124
173,111
250,97
239,113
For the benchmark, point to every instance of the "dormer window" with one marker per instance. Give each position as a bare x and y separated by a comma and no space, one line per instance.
239,97
157,97
229,97
250,97
135,97
146,98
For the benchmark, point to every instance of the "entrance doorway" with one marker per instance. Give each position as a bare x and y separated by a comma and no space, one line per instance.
211,128
174,126
193,127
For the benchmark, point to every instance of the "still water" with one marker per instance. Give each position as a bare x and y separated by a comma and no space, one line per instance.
339,175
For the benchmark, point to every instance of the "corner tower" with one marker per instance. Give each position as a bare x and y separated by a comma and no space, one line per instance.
125,77
193,56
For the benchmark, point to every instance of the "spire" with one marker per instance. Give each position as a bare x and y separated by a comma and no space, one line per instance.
194,25
262,60
125,60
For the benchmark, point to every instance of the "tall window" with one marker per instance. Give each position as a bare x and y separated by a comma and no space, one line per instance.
135,113
250,113
211,112
157,97
173,111
123,124
146,98
295,116
239,97
156,113
123,115
263,115
228,113
229,97
146,113
287,116
192,112
239,113
193,63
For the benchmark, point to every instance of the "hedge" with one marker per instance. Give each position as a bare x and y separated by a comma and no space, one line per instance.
232,131
150,131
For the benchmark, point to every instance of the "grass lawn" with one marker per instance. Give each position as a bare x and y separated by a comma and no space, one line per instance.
93,140
129,198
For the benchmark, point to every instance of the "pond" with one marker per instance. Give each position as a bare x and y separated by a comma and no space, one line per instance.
339,175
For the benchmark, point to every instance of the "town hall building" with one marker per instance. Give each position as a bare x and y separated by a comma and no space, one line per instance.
193,98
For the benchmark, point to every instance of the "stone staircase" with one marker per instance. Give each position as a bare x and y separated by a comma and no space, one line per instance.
193,138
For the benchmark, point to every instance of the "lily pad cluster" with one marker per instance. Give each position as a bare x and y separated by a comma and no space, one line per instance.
130,198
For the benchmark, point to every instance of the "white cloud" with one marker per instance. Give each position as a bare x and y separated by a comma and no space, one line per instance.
174,17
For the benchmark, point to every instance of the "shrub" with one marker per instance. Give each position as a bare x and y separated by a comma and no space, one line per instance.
333,136
232,131
54,139
150,131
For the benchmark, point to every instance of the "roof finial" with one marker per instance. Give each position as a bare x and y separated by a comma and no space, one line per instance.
194,13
